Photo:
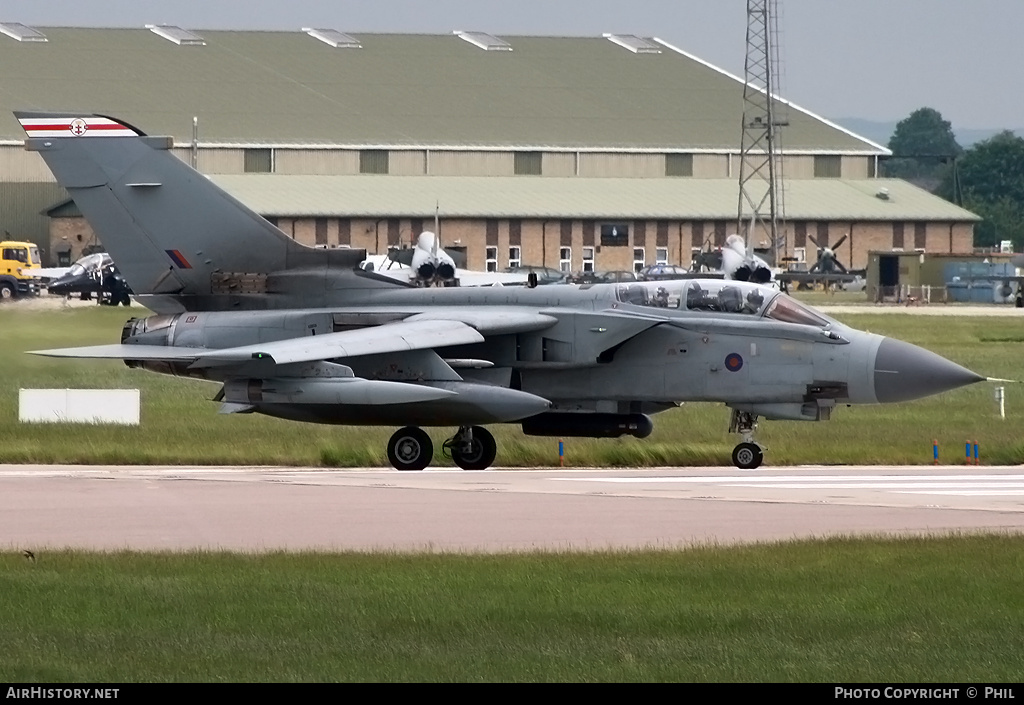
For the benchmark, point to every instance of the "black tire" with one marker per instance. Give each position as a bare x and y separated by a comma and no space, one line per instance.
747,456
482,451
126,300
7,291
410,448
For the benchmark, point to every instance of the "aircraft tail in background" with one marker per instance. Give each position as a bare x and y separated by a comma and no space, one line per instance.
169,229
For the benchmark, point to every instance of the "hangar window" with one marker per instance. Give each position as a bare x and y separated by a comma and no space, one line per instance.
172,33
565,259
23,33
678,165
338,40
491,257
588,259
515,256
373,161
259,161
828,166
639,259
661,255
528,163
485,41
614,235
635,44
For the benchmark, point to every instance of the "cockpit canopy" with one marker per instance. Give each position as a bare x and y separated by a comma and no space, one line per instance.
90,263
720,296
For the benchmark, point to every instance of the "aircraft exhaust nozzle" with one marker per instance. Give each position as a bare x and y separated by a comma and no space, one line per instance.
761,275
446,271
426,271
742,274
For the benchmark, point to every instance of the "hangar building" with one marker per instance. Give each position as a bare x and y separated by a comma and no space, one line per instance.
576,152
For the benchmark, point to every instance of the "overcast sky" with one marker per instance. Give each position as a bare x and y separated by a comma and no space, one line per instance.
872,59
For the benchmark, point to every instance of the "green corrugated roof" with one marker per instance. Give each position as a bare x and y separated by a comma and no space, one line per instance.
288,88
378,196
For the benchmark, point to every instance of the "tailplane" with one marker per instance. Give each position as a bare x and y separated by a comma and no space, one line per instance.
169,229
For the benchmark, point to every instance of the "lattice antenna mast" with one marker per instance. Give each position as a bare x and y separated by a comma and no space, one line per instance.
760,214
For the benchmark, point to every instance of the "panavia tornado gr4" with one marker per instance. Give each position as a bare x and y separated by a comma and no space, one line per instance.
302,333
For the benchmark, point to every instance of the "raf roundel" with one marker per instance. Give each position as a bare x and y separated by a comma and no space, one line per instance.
733,362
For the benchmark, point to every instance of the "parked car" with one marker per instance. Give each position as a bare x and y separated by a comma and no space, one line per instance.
603,277
545,275
660,272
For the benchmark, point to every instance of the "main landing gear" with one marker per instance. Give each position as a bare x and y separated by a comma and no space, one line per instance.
747,455
472,448
410,448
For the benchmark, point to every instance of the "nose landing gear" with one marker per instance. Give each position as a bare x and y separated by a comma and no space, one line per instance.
748,455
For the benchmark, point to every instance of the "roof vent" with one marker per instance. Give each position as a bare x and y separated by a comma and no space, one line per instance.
484,40
883,194
16,30
176,34
634,43
338,40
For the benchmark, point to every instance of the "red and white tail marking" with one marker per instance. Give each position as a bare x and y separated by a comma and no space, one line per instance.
88,126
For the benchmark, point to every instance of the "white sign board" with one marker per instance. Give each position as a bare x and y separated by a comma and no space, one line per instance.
117,406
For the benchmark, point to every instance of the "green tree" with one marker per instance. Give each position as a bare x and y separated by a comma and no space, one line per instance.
990,175
923,147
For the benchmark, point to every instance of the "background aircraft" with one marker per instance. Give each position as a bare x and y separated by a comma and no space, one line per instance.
93,275
826,270
303,334
743,265
428,264
733,261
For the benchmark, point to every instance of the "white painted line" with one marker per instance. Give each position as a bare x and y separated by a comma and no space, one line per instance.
968,493
816,481
883,485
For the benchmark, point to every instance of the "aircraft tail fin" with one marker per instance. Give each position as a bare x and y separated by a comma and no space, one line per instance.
169,229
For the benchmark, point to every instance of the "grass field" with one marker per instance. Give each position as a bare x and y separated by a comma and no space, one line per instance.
181,426
845,610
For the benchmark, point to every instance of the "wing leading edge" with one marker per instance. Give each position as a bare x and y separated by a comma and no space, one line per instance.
391,337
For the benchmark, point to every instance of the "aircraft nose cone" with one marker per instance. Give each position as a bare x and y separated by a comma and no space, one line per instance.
904,372
64,285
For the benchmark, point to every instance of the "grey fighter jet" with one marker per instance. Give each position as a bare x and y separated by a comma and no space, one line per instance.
302,333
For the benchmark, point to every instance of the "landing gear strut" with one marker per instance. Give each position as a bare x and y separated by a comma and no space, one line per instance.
472,448
410,448
747,455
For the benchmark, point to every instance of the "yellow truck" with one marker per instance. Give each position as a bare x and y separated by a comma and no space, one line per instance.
17,259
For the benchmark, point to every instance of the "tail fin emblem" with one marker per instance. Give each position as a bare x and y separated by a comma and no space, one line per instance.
69,126
178,259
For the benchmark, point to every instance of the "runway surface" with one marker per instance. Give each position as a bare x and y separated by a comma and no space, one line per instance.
991,310
175,508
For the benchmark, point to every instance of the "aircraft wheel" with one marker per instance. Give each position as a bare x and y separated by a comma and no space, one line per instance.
481,453
747,456
410,448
